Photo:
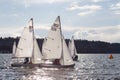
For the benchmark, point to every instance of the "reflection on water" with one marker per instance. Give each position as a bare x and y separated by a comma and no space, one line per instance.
44,73
47,74
89,67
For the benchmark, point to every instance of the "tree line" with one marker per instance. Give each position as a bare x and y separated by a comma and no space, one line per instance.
82,46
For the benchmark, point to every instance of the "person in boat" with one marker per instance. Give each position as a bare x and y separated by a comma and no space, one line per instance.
26,60
56,62
75,58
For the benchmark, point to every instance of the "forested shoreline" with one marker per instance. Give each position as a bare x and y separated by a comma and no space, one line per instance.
82,46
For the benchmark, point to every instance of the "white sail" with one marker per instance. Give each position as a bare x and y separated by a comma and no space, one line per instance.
72,48
37,56
66,58
25,45
14,49
52,48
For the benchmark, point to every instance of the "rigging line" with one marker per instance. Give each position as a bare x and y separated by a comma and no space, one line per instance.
33,38
61,39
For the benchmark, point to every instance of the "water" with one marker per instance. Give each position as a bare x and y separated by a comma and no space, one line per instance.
89,67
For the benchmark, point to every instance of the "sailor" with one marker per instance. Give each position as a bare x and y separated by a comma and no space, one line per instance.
26,60
56,62
75,58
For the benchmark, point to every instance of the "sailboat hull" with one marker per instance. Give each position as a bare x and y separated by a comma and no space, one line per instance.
41,65
56,66
24,65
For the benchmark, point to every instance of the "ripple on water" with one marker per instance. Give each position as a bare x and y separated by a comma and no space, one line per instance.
89,67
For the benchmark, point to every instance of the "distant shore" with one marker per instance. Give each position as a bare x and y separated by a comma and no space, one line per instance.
82,46
78,53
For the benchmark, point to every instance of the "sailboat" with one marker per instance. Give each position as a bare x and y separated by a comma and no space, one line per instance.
55,50
28,48
14,49
73,50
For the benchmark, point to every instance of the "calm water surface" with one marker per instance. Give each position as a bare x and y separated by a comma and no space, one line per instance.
89,67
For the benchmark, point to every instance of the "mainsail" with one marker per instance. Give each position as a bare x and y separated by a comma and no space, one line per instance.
25,45
66,58
72,48
52,47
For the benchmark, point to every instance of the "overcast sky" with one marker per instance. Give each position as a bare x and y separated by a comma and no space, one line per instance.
85,19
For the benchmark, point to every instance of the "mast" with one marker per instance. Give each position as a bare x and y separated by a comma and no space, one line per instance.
32,27
61,39
33,34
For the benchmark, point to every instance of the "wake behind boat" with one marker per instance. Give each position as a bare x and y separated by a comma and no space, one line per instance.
55,53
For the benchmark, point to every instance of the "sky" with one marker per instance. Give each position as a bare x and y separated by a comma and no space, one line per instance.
97,20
